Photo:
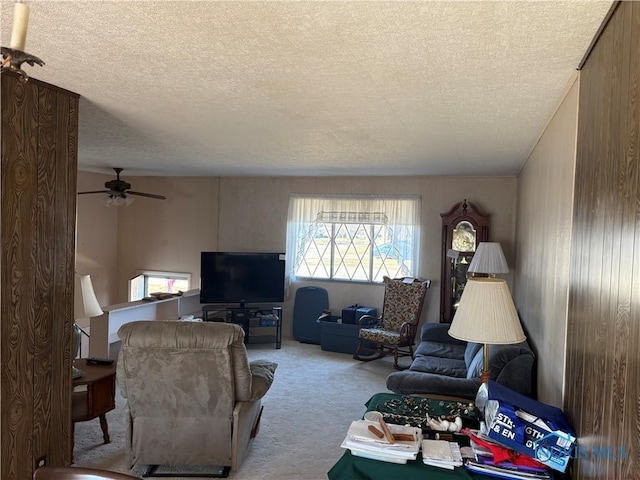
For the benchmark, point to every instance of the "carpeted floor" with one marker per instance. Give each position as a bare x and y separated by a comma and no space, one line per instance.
315,396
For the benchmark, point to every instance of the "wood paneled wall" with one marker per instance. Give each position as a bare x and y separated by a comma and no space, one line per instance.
602,391
38,208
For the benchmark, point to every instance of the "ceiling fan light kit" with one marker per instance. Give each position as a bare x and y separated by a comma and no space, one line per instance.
115,201
118,192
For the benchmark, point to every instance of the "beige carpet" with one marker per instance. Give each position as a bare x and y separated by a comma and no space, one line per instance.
315,396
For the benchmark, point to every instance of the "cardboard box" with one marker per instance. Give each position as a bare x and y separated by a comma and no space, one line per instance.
536,429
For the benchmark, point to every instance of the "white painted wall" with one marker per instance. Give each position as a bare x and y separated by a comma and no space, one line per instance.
245,214
545,206
97,238
253,215
167,235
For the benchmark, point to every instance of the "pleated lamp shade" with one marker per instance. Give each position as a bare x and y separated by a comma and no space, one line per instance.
489,258
85,302
486,314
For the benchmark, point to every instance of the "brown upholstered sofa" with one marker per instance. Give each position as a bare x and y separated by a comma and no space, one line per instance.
192,396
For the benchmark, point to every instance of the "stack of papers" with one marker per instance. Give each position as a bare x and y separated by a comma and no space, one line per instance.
512,473
484,463
481,450
440,453
364,443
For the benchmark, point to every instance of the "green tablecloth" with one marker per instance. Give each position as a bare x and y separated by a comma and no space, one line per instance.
351,467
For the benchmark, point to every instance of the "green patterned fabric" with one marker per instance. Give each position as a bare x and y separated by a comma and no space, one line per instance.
402,304
378,335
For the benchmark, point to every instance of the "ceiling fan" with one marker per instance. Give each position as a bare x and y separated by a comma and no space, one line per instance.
120,189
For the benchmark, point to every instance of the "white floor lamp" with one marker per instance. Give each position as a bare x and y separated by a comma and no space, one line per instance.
486,314
489,259
85,306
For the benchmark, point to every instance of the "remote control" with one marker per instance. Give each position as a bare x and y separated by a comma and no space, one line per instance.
99,361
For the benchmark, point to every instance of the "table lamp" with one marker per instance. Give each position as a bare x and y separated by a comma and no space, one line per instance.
486,314
489,259
85,306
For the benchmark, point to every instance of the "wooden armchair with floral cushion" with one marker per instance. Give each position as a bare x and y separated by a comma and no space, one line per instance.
394,332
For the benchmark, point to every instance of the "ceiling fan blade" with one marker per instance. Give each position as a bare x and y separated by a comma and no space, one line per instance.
150,195
94,191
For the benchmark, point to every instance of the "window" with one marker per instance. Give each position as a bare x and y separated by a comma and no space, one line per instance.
354,238
165,282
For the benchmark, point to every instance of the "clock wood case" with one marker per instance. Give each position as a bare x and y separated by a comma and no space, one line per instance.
464,226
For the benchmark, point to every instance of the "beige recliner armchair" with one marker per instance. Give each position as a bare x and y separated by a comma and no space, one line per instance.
192,396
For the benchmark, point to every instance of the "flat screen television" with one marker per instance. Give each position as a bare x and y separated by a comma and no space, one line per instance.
238,277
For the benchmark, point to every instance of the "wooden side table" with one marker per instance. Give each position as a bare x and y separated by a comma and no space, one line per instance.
97,399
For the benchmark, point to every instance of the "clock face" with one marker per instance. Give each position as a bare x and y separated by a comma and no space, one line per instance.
464,238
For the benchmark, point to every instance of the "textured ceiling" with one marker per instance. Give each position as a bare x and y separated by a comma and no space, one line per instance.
309,88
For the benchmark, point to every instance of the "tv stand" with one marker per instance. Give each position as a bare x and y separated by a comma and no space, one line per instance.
267,318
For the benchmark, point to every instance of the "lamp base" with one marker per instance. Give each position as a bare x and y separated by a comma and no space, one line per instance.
76,373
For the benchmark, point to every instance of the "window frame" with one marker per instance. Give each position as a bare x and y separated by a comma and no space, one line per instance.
163,274
399,213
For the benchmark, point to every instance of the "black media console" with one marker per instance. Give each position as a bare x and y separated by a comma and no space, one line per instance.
266,318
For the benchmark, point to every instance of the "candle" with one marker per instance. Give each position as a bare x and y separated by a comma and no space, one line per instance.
20,22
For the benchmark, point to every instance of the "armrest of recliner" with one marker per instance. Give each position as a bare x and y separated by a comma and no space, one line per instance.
120,377
438,332
262,374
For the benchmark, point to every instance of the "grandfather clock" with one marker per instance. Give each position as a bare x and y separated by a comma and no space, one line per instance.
464,226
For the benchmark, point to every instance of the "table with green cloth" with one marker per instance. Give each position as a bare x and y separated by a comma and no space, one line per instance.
352,467
412,410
